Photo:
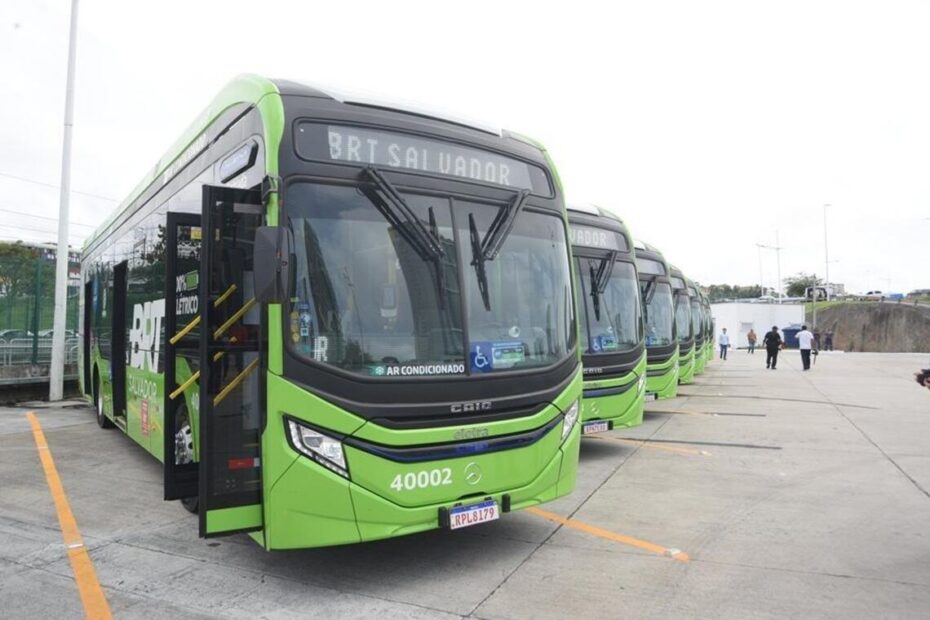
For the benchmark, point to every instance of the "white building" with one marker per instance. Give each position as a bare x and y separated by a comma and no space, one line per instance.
740,317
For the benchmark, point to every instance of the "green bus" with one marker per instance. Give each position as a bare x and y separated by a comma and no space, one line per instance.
336,320
684,326
708,327
610,318
661,335
697,326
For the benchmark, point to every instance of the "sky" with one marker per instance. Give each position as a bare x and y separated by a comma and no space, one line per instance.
709,127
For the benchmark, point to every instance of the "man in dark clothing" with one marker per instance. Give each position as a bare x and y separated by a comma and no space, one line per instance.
772,343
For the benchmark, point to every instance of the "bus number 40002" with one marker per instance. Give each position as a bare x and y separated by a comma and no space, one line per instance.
422,479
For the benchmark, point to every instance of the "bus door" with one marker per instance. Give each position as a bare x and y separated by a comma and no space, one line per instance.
118,337
182,354
231,365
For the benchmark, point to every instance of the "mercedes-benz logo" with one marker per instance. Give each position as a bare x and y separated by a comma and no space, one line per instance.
472,473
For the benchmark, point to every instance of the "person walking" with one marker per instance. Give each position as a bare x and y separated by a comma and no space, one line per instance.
828,341
751,337
805,340
724,341
772,343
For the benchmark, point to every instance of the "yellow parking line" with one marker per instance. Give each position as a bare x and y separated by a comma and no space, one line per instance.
675,554
92,597
646,444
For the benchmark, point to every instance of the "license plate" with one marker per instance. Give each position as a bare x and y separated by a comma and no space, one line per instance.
464,516
594,427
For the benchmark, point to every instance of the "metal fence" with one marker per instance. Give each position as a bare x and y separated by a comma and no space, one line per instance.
27,306
26,360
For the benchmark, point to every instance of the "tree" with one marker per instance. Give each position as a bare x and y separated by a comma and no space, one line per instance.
796,285
718,292
17,269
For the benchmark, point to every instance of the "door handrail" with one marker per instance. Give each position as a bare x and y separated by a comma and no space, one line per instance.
184,386
185,330
235,382
235,317
219,300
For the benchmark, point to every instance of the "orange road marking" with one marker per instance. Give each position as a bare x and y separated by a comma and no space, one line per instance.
675,554
92,597
646,444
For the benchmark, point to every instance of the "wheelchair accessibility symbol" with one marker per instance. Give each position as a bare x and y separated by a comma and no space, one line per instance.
481,356
479,360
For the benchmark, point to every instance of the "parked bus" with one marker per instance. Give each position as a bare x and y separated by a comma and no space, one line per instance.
684,326
709,346
610,318
661,337
338,321
697,327
709,327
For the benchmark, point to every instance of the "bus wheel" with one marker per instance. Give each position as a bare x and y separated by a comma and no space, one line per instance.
102,420
183,438
191,504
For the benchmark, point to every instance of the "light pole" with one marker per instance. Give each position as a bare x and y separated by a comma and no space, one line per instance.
826,254
57,369
777,249
761,277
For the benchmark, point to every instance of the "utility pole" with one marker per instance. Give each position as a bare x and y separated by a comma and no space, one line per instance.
57,369
826,254
761,277
781,286
777,249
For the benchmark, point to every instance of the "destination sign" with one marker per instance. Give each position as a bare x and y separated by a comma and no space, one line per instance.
677,283
592,237
404,151
650,267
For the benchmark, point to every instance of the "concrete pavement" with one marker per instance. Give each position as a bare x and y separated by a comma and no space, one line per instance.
791,493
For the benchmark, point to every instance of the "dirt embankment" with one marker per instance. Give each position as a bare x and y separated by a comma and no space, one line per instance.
887,327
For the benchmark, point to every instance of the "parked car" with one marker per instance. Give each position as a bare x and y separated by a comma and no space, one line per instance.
48,333
11,334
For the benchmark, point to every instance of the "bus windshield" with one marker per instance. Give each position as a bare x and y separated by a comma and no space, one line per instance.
370,300
613,314
683,318
658,315
697,318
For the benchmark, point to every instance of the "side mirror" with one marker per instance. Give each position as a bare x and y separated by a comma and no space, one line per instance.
271,264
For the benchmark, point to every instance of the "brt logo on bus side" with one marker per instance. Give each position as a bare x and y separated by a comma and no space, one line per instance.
144,341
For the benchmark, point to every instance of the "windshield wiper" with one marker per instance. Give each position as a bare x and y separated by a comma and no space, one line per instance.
426,243
399,214
477,261
651,289
501,226
599,280
440,267
486,249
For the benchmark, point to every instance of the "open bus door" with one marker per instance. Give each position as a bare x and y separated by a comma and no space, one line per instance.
231,365
183,237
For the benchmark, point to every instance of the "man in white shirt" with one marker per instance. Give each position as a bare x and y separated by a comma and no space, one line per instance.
724,342
805,340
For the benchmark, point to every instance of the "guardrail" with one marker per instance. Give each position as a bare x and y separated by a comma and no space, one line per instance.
17,364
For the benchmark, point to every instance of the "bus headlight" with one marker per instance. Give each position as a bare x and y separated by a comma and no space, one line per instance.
323,449
642,382
571,416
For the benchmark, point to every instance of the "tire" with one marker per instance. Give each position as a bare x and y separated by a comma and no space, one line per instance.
102,420
191,504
